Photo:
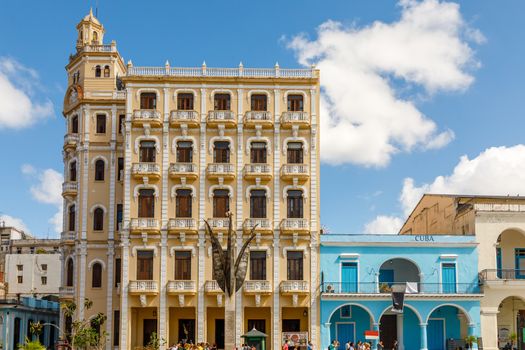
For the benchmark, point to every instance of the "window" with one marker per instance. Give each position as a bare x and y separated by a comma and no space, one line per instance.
73,171
99,170
98,72
20,279
183,204
119,215
20,267
43,267
294,201
43,280
185,102
295,266
148,100
121,121
295,103
259,103
71,218
74,124
19,250
145,265
294,153
185,152
182,265
258,265
96,275
291,325
147,151
118,271
259,325
101,123
95,37
98,219
120,169
221,203
258,152
221,152
222,102
146,203
116,327
69,273
258,204
106,71
32,250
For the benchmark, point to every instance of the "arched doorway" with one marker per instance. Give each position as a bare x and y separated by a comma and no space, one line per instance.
398,270
510,255
348,323
447,328
511,323
401,327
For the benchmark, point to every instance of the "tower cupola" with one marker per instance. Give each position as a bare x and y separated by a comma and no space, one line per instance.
90,31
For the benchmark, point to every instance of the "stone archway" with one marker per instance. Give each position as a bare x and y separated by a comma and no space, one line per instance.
348,322
447,326
511,321
398,270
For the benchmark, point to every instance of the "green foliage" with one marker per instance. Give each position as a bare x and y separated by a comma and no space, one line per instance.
154,342
86,334
471,339
41,251
31,345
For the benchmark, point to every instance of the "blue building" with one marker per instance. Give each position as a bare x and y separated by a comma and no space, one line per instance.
439,274
16,317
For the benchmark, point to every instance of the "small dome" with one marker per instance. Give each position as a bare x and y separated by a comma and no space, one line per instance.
90,17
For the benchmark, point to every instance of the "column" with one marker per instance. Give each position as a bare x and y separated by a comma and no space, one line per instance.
423,330
239,209
375,341
276,308
325,335
489,327
400,343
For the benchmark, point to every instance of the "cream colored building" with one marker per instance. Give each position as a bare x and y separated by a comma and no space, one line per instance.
152,152
498,222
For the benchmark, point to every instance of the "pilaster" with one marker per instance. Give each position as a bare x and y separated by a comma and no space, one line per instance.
276,310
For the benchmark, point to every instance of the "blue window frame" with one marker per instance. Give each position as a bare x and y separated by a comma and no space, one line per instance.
519,254
498,262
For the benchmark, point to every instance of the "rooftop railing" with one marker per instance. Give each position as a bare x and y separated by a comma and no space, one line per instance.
276,72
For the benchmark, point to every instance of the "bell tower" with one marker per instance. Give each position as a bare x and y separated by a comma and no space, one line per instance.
90,31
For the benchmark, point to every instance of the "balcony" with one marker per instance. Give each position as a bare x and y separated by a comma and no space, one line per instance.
180,170
263,225
257,171
71,141
212,287
226,118
502,278
289,119
384,288
181,287
68,237
219,224
69,189
190,118
182,225
295,171
66,292
149,170
145,287
294,287
263,118
225,171
144,225
146,116
257,287
291,225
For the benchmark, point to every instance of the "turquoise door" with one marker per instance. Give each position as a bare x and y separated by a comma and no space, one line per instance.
436,334
345,333
519,254
498,262
349,277
448,277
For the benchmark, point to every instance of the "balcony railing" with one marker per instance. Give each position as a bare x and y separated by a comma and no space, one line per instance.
295,117
147,115
258,116
512,207
295,224
184,116
144,168
294,287
219,223
143,286
144,224
261,286
221,116
95,48
66,291
205,71
68,236
257,169
181,286
295,170
220,169
212,287
71,139
182,224
262,224
489,275
388,287
70,187
182,168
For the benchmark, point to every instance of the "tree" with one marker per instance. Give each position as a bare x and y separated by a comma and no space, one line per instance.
31,345
471,340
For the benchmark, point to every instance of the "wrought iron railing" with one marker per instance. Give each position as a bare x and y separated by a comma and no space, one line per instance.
501,274
388,287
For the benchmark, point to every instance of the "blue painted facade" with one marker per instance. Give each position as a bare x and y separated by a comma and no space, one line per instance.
16,317
359,272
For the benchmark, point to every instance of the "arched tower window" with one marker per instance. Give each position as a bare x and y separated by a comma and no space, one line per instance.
71,217
98,219
74,124
98,71
96,275
73,171
69,273
95,37
106,71
99,170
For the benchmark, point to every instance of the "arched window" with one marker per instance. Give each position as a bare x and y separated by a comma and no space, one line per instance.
183,203
71,217
99,170
69,273
294,153
258,204
258,153
96,275
221,152
294,201
73,171
221,102
221,203
95,37
147,151
98,219
148,100
74,124
185,152
98,72
106,71
146,203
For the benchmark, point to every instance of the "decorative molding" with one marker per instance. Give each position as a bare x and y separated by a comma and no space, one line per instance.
224,187
258,92
258,187
295,92
221,91
258,138
220,138
94,261
183,138
148,89
98,205
295,187
182,91
94,160
144,247
174,189
182,248
295,248
295,139
145,186
146,138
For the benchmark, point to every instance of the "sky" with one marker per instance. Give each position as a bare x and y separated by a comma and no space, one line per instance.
417,96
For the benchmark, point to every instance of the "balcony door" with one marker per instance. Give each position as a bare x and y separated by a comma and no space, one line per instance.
349,277
295,266
258,203
148,100
221,203
448,278
149,327
182,265
145,265
258,267
146,203
520,262
221,152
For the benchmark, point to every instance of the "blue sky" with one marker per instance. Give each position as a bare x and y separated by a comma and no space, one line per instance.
466,110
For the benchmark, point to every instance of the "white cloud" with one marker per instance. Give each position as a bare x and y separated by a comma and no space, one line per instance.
366,71
495,171
18,108
14,222
384,224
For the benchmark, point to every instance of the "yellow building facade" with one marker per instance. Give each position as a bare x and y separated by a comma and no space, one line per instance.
150,153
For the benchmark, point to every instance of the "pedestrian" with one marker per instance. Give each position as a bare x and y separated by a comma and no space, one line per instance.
352,346
285,345
380,345
395,345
